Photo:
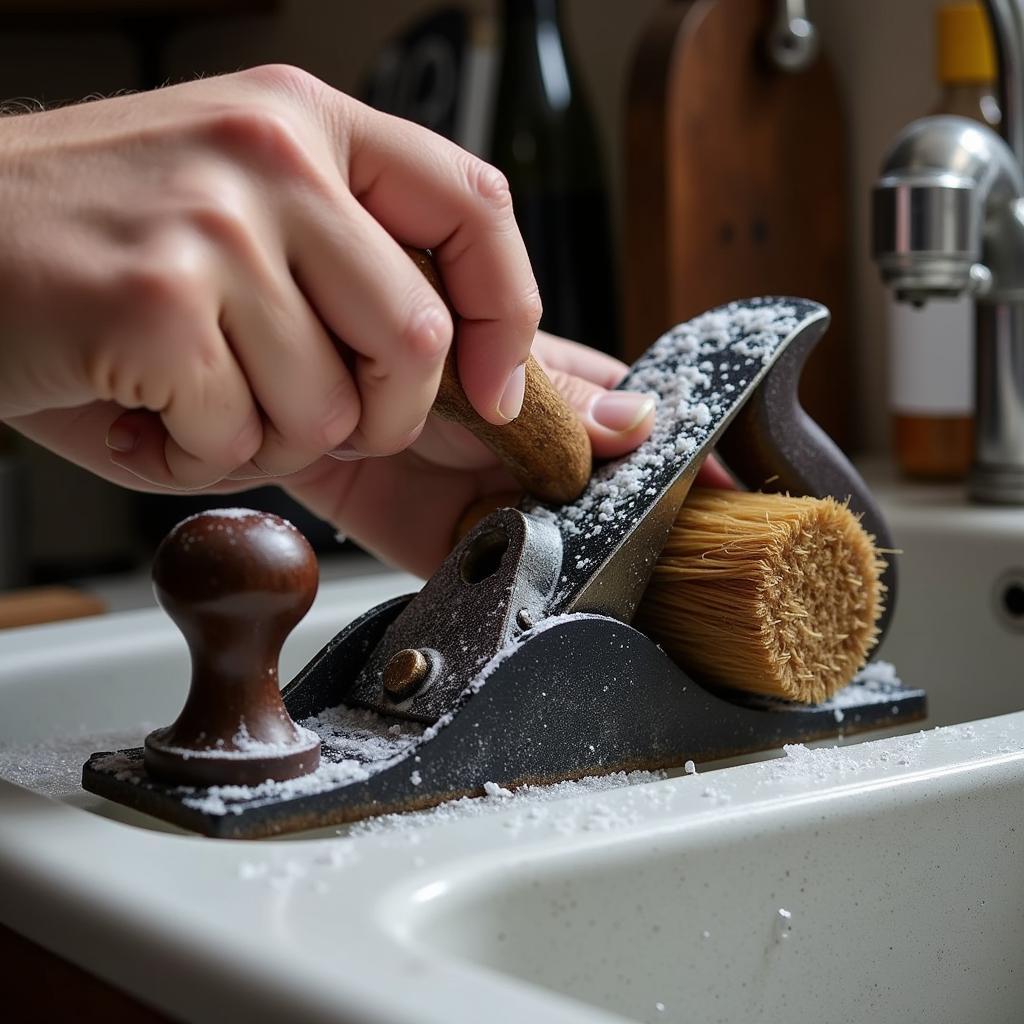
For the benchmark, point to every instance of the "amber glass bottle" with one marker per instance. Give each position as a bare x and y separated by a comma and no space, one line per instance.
932,348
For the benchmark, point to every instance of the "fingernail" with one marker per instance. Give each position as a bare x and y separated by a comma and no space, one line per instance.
122,438
511,404
346,453
622,411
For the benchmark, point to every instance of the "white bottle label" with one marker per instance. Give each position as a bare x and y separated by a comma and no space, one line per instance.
931,358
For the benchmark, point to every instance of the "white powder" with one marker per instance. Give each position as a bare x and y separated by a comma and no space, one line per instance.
532,801
225,521
227,513
246,747
493,789
682,370
363,734
834,764
357,743
53,767
876,683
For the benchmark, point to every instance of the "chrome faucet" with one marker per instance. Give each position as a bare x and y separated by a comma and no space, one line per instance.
949,220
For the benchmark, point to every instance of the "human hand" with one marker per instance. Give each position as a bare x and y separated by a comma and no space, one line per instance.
405,508
219,259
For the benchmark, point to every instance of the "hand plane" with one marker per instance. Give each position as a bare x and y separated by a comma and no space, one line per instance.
516,663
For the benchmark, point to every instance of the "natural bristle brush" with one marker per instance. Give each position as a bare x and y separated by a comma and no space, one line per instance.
766,593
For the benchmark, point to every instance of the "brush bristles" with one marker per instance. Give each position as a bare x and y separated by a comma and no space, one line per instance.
767,593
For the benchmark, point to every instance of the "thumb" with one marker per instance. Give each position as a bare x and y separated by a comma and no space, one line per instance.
617,421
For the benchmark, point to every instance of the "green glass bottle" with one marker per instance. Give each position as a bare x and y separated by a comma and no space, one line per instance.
545,142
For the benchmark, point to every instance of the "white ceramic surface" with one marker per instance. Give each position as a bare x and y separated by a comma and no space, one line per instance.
952,634
899,862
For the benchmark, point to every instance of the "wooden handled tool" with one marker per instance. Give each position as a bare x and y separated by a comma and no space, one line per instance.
545,447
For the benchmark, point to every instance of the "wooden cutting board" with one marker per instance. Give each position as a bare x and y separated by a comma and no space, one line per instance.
735,185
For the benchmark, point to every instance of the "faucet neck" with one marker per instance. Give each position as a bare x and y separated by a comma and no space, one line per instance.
1007,18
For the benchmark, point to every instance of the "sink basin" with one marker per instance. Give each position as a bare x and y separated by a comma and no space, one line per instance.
883,882
871,881
958,631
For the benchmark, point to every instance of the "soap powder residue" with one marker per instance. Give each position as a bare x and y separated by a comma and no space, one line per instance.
531,804
53,767
557,809
357,743
876,683
830,764
696,371
245,746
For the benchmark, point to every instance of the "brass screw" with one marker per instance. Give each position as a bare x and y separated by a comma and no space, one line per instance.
404,672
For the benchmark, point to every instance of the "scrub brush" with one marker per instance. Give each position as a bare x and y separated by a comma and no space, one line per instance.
766,593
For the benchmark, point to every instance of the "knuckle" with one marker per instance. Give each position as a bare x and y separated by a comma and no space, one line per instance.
489,185
157,288
340,415
285,78
246,443
529,309
269,138
219,216
577,392
427,332
106,373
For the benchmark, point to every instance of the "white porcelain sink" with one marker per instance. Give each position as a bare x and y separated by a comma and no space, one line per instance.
959,625
890,892
899,862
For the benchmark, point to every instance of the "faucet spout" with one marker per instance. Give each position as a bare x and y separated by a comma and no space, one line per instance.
948,219
946,213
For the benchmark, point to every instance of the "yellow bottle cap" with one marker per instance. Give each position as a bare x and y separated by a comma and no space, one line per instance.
965,50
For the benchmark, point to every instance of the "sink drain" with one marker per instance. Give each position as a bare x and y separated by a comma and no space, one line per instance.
1009,599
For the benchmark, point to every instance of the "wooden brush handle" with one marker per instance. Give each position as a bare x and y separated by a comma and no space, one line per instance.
545,447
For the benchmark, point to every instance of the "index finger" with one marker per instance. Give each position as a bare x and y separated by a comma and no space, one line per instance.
427,192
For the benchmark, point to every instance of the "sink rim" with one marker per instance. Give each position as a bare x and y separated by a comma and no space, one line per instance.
378,890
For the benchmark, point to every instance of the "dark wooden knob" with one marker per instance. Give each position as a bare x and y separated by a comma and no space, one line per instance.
236,582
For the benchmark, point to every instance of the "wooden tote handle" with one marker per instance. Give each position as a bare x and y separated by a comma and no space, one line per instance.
545,447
